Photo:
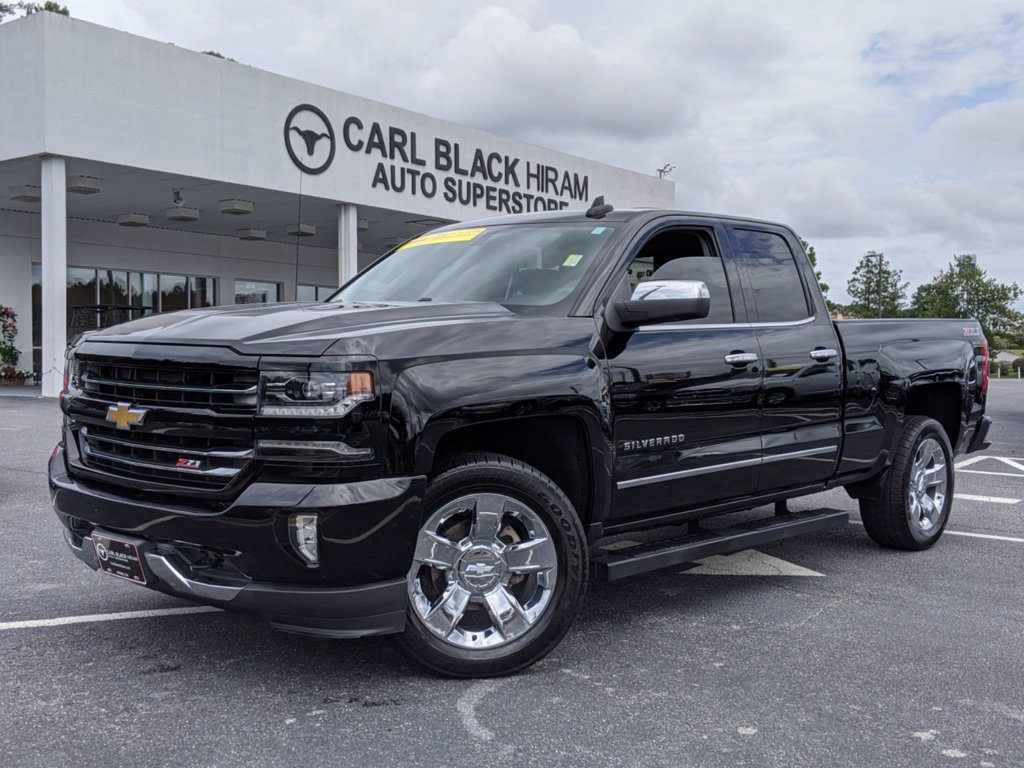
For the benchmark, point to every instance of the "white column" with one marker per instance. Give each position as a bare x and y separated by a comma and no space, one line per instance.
348,246
54,252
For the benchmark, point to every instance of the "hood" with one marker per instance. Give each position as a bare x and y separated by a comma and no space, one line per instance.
290,329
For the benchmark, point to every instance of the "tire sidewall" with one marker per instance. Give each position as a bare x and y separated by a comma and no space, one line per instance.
528,486
924,429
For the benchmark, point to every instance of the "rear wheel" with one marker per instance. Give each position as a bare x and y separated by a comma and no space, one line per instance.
917,491
499,569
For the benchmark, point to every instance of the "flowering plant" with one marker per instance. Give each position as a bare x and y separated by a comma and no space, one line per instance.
8,352
10,372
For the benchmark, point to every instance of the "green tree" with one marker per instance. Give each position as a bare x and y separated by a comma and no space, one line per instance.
813,258
963,289
218,55
876,288
27,9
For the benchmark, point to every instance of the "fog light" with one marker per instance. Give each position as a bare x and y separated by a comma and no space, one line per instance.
305,538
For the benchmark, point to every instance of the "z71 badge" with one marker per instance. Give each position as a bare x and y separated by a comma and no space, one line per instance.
664,441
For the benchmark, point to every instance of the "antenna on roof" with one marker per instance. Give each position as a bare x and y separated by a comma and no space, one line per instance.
599,209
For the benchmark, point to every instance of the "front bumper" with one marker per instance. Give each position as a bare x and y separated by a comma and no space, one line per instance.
240,558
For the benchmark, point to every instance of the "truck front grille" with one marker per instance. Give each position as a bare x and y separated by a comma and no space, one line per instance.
196,434
223,390
210,463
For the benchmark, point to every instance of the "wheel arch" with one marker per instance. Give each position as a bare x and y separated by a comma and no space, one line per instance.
942,401
559,445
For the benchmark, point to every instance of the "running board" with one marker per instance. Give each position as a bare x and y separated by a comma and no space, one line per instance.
641,558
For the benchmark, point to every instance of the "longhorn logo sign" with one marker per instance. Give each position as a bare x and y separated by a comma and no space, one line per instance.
309,138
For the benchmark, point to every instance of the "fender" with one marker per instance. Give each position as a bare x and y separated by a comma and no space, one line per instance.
431,400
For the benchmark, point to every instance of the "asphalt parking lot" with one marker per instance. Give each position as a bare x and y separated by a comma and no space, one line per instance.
818,651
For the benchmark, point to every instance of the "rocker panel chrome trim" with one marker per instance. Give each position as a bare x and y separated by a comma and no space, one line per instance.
638,481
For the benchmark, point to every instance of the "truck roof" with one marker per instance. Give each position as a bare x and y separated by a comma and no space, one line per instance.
617,214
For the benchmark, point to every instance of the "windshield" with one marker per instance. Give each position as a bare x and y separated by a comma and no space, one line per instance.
520,264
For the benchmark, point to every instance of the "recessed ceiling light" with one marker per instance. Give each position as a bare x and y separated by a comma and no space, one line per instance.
252,234
182,213
84,185
302,230
26,193
133,219
236,207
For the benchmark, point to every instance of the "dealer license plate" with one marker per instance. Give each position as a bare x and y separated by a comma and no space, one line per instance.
119,557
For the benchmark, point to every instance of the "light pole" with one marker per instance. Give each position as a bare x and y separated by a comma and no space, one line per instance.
880,283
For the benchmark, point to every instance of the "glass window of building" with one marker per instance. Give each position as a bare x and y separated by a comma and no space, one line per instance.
200,292
150,295
256,292
173,293
313,292
113,287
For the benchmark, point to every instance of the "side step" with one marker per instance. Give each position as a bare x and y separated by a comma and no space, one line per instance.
621,563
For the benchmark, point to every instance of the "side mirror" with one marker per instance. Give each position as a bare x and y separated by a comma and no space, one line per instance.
660,301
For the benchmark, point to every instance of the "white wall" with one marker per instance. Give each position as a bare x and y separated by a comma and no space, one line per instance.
21,89
118,98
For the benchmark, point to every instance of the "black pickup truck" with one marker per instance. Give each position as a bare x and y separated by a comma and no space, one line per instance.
440,448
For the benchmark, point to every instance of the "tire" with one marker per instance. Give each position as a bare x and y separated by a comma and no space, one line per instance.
499,572
916,491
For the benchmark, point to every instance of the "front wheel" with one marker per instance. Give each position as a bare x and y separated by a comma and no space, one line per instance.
916,492
499,571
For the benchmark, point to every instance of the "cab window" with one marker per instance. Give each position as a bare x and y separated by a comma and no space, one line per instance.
775,282
679,254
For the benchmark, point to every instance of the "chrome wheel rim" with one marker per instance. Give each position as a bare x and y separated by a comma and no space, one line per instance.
929,479
484,571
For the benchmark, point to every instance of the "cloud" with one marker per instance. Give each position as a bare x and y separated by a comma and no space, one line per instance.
989,134
503,74
875,125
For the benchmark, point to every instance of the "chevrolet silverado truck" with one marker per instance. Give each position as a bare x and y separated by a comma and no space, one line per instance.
450,446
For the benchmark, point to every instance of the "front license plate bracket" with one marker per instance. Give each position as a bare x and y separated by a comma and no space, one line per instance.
120,556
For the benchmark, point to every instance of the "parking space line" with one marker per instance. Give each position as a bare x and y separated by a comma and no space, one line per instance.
984,472
88,619
947,532
986,536
1010,462
988,499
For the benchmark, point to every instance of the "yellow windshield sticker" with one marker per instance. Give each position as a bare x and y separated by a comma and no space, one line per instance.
455,236
572,259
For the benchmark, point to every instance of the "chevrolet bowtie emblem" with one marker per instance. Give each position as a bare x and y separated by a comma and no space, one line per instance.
124,416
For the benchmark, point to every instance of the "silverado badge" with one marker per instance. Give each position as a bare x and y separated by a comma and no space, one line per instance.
124,416
643,444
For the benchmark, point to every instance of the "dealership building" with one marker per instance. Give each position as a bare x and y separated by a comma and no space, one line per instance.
138,177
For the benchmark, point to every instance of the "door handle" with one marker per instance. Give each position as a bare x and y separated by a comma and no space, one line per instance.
741,358
823,354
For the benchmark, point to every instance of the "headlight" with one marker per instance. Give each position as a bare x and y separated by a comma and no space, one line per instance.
313,393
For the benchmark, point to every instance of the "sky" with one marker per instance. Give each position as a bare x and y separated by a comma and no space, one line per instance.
886,126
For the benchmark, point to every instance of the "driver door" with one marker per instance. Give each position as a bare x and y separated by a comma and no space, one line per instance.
685,395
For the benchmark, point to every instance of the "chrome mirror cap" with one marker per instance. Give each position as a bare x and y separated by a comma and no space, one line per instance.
654,290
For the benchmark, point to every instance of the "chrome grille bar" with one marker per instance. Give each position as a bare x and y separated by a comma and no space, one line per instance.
240,455
93,453
171,388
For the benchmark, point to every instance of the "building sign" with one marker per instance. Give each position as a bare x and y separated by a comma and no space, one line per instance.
309,138
435,167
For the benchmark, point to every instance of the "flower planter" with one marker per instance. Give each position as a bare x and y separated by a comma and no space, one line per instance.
15,382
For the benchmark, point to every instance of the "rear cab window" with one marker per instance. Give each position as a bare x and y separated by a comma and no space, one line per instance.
773,277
